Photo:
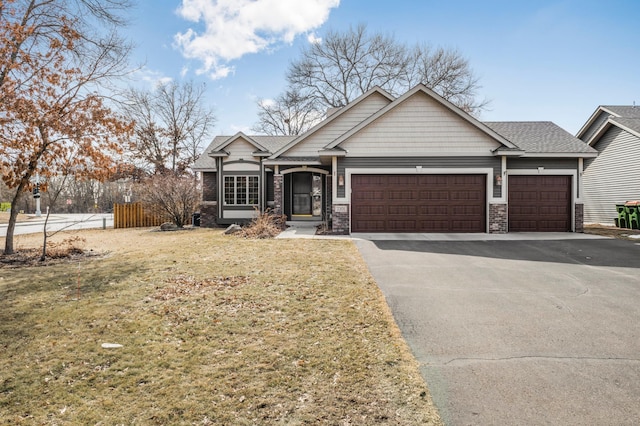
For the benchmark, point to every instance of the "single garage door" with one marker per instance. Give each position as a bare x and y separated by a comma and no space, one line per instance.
418,203
539,203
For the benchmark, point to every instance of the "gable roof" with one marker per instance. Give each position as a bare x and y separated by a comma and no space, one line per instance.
331,118
424,89
540,137
264,145
618,111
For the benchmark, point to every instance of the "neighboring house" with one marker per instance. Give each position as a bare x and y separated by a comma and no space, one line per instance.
613,177
415,163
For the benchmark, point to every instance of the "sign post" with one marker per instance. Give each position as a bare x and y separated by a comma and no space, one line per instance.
36,195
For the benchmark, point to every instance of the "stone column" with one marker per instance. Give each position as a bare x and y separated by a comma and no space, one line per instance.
579,218
278,194
498,220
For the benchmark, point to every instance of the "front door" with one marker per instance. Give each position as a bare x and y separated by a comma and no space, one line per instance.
306,195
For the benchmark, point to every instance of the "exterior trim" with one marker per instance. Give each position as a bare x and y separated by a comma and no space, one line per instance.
418,170
560,155
610,122
592,119
446,104
552,172
330,119
304,169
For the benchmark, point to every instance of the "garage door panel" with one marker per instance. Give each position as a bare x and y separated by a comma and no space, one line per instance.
420,203
539,203
433,195
441,210
403,210
400,195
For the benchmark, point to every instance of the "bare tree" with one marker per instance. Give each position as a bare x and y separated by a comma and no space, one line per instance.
177,196
343,66
172,123
290,114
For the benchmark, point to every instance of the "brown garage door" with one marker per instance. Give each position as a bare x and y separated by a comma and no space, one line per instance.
418,203
539,203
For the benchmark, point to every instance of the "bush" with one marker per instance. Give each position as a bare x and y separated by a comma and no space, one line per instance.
265,225
4,207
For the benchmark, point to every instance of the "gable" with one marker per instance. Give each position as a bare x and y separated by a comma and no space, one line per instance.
593,125
240,150
310,145
419,125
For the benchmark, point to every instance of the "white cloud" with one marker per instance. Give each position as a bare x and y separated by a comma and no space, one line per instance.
151,77
313,39
233,28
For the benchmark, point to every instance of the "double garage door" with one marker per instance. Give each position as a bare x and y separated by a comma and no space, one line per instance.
456,203
418,203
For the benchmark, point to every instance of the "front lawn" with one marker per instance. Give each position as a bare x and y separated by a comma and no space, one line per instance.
214,330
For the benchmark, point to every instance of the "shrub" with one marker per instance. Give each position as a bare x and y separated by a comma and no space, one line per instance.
264,225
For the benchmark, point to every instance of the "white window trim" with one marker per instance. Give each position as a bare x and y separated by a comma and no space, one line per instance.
235,190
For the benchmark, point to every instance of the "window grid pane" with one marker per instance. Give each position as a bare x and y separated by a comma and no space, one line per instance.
229,189
253,189
241,190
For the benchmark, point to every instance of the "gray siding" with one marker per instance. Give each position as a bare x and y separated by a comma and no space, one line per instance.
425,162
613,177
597,123
547,163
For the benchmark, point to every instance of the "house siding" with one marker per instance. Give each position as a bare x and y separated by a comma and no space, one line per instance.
419,126
340,125
425,162
547,163
612,177
597,124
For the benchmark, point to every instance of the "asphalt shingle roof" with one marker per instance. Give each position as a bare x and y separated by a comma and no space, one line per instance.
627,111
271,143
539,137
631,123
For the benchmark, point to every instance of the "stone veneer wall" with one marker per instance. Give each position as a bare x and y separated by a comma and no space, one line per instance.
579,212
209,207
278,194
208,215
498,219
340,223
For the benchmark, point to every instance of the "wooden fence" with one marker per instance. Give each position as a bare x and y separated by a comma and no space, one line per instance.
135,215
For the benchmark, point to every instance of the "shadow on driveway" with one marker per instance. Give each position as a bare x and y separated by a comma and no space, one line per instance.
597,252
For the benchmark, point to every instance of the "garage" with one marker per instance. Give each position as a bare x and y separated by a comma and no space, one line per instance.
539,203
418,203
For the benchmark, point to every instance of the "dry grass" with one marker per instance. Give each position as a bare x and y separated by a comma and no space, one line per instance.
215,330
612,231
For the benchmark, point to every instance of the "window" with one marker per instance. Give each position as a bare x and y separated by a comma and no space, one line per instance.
241,190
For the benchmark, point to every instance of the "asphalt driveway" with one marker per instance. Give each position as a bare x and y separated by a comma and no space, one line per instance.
519,332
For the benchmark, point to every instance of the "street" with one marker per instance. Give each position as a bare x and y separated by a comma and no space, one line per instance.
59,222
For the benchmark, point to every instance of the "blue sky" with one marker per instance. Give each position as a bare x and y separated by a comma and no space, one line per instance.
536,60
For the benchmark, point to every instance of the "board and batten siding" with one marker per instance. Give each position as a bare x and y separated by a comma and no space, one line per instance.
595,126
419,125
310,146
613,177
425,162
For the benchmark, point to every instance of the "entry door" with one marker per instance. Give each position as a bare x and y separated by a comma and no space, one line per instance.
306,189
301,189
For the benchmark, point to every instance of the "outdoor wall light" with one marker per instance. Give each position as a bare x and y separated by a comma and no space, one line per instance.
340,180
498,180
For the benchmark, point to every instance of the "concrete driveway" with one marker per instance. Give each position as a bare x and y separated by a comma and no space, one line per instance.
519,331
